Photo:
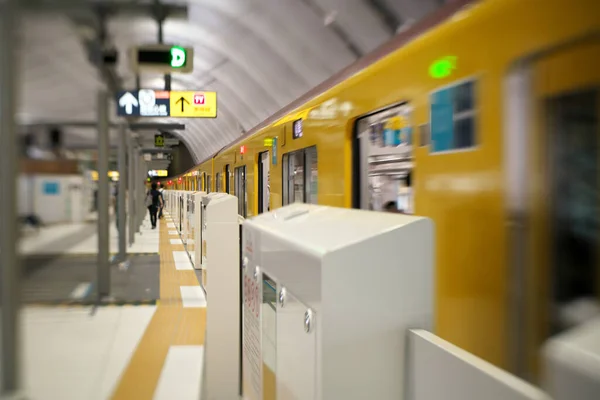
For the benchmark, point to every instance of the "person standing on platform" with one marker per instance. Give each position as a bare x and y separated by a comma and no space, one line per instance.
160,212
153,202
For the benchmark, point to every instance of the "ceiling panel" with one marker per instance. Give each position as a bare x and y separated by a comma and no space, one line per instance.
258,55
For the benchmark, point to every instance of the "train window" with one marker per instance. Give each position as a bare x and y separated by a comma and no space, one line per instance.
208,184
264,188
385,160
300,176
310,157
573,124
204,181
240,189
228,179
452,114
218,182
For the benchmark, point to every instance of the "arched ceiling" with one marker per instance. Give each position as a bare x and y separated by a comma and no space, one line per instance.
258,55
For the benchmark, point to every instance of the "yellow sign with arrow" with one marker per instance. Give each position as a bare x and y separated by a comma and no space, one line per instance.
193,104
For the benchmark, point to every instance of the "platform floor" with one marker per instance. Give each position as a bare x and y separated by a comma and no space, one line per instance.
82,238
167,363
75,354
115,352
72,278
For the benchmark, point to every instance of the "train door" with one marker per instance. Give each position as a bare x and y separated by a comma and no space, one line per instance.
383,160
228,179
554,193
208,183
264,188
240,189
218,182
300,176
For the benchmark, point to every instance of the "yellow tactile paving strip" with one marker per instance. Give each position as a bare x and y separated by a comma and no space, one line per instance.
171,325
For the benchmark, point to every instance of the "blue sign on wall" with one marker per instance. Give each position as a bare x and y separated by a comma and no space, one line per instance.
442,120
51,188
274,151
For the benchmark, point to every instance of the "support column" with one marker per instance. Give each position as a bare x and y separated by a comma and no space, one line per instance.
10,272
131,205
103,271
121,198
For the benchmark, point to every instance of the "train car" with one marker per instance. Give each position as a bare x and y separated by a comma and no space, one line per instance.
483,117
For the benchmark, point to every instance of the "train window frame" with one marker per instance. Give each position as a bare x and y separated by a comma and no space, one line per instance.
306,179
472,114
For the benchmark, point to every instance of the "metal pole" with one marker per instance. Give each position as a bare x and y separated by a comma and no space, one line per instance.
10,273
138,205
142,213
121,216
131,207
143,175
103,273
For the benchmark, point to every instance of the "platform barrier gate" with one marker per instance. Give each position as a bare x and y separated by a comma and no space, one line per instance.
338,304
317,303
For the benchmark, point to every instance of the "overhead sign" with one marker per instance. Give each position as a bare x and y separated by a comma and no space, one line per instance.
158,172
164,103
171,142
162,58
194,104
159,141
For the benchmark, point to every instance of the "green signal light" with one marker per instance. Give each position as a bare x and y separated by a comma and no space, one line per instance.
178,56
443,67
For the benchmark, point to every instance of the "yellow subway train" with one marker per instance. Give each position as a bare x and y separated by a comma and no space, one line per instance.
491,108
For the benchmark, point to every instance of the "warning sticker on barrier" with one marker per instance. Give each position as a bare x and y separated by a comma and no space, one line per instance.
252,345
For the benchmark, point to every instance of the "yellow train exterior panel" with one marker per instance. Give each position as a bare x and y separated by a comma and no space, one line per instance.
463,191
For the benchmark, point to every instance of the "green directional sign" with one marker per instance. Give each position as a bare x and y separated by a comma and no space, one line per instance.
178,57
159,141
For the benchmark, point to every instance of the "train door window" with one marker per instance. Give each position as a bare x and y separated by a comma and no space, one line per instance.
240,189
208,183
574,162
310,162
228,179
218,179
383,160
198,183
300,177
264,162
